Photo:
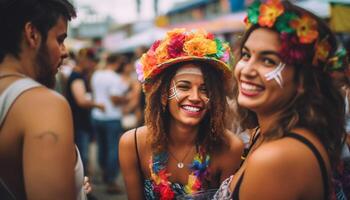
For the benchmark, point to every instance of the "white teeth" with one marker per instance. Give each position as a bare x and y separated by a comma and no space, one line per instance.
190,108
249,87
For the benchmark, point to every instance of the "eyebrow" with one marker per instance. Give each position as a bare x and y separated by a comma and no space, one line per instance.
268,52
186,82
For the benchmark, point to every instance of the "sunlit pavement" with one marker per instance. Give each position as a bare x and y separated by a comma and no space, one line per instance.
99,189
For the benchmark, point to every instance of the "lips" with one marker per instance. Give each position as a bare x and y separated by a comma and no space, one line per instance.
250,89
192,110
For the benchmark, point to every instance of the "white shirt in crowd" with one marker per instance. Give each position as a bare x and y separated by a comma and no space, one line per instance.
104,84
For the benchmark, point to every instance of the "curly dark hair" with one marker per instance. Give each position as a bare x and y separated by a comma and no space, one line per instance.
318,107
213,125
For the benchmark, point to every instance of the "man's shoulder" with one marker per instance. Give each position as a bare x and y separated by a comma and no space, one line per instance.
41,96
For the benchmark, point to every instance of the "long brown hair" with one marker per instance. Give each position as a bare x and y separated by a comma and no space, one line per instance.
318,107
213,125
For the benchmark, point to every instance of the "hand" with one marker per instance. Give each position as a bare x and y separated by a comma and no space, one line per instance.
101,107
86,185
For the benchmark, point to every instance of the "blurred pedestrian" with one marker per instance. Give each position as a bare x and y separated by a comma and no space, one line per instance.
184,147
37,153
284,90
108,89
79,97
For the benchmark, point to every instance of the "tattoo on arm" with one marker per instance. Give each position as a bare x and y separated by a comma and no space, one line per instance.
48,135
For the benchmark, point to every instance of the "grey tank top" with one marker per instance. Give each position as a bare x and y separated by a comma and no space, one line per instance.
7,98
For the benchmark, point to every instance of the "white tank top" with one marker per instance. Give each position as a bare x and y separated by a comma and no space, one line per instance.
8,97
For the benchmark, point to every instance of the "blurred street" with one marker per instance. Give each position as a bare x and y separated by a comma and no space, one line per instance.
98,188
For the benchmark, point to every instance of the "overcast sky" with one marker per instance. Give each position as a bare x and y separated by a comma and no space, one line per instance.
125,10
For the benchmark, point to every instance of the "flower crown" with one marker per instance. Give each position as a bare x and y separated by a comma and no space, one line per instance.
296,31
180,45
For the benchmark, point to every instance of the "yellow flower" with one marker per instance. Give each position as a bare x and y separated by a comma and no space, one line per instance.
200,46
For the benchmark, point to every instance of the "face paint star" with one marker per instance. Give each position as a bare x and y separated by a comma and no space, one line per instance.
276,74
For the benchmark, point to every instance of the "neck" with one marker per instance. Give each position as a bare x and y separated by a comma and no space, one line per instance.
181,135
266,121
12,65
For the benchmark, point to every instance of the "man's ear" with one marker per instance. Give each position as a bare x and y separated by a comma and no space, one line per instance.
31,35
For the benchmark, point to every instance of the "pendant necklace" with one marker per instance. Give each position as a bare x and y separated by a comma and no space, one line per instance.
180,163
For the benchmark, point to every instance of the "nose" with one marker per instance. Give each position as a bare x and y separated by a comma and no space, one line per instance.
64,52
194,95
249,68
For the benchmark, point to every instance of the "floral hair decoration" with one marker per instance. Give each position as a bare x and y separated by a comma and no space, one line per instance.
296,31
180,45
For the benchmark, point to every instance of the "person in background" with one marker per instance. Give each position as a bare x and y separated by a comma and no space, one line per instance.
37,153
80,100
284,90
108,89
184,146
132,109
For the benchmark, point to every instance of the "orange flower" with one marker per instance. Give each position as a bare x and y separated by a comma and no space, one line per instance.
306,29
162,52
199,46
322,50
269,13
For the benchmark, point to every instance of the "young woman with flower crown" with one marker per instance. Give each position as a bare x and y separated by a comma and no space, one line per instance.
184,146
285,91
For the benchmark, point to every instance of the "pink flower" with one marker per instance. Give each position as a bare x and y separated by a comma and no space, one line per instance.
155,45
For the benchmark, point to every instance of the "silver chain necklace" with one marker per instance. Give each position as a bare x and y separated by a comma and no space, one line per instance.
180,163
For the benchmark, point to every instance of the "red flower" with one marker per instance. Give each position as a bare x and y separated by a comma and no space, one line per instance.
175,47
291,49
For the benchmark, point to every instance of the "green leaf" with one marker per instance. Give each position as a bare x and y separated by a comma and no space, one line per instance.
253,12
283,22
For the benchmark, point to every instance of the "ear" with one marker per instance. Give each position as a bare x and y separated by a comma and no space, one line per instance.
31,35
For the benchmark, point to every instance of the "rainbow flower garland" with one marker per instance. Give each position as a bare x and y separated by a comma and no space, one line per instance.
296,31
160,175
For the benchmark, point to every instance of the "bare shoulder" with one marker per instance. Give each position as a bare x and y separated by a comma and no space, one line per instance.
128,138
41,109
284,157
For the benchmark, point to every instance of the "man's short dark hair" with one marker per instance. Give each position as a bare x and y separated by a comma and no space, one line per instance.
43,14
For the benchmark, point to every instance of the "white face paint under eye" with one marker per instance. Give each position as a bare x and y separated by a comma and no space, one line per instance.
173,93
276,74
241,64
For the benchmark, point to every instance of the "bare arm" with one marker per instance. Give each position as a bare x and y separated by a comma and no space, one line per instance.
48,148
79,92
119,100
134,99
129,166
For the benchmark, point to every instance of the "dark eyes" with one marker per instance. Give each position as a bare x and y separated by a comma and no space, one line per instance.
264,59
245,56
182,87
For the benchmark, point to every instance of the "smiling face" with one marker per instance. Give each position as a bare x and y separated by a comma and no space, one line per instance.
51,53
265,83
188,97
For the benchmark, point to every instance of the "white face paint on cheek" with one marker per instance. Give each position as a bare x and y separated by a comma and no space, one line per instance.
276,74
173,93
241,64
